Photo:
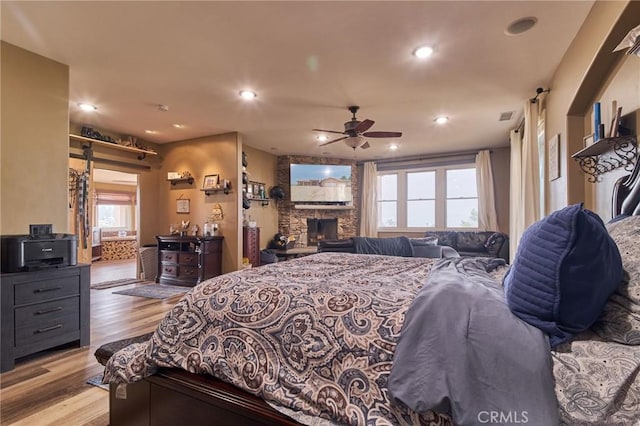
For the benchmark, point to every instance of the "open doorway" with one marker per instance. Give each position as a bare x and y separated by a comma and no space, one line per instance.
114,251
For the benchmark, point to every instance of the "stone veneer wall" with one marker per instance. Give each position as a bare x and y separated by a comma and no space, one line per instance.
292,221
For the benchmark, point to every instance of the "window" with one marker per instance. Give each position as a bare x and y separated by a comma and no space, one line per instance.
114,216
431,198
115,210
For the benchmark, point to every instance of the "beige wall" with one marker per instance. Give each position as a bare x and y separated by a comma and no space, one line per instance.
576,84
220,155
262,167
34,142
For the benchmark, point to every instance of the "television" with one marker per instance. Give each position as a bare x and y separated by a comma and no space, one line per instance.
321,183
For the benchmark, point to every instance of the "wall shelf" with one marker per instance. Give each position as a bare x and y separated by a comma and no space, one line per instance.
142,153
321,207
176,181
607,154
225,189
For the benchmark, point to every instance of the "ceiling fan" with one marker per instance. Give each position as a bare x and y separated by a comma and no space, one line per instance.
356,132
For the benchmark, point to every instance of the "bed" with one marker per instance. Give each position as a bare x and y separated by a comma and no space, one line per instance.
313,341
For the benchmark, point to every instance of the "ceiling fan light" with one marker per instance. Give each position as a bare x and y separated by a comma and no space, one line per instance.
441,120
422,52
322,138
355,141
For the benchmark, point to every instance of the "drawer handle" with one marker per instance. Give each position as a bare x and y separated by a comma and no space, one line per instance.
48,311
53,327
168,269
44,290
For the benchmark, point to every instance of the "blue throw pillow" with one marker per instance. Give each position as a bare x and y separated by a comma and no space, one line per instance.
565,268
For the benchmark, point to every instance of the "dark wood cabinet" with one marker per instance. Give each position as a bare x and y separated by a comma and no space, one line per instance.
188,260
251,245
43,309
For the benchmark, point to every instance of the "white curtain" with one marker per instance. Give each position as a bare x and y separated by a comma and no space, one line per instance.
369,208
487,217
525,187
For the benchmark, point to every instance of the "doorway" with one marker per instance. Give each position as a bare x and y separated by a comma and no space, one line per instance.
115,225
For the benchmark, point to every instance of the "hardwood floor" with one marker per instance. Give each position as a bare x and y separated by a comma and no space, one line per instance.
50,388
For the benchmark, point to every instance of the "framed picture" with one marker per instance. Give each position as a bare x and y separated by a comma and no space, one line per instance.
211,182
588,140
554,157
182,205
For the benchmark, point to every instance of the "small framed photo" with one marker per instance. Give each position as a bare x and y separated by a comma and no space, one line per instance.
211,182
588,140
182,206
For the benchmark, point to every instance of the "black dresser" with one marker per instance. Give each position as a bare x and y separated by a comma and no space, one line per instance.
43,309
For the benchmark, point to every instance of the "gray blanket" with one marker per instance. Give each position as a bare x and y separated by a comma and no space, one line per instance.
396,246
462,352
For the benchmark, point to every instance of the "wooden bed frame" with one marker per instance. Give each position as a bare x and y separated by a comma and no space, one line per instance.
178,397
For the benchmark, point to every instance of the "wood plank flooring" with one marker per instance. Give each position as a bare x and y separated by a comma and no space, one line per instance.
49,388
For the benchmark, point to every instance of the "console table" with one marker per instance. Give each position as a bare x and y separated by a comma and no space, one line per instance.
43,309
188,260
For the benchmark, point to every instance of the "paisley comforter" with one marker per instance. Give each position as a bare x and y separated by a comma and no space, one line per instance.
315,334
316,337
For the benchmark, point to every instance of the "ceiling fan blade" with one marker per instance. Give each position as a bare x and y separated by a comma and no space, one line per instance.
365,145
363,126
328,131
335,140
382,134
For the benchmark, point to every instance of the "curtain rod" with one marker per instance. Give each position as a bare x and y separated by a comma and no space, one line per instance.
424,157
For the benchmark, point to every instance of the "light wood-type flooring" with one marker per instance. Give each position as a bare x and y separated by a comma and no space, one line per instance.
50,389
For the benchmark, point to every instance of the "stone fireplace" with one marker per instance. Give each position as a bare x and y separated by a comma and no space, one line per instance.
321,229
310,223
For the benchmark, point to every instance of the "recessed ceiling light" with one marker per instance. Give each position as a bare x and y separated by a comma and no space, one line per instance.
521,25
248,94
441,120
323,138
151,132
423,52
178,126
87,107
393,147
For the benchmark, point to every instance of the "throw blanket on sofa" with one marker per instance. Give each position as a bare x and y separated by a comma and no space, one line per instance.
396,246
475,357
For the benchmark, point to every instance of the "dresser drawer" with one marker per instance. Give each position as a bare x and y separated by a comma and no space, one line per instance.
188,258
169,256
58,323
169,270
41,313
40,291
188,271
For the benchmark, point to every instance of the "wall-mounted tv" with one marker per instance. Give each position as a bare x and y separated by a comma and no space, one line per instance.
320,183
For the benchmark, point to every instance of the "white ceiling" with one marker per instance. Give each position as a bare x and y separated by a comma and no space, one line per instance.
308,61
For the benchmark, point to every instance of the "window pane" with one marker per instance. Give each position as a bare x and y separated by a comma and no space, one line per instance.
421,185
461,183
388,187
462,213
421,214
387,214
114,216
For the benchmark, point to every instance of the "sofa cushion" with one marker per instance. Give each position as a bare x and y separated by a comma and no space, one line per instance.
445,238
494,243
473,241
565,268
425,241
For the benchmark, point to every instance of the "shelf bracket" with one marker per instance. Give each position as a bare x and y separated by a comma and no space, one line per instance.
623,153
